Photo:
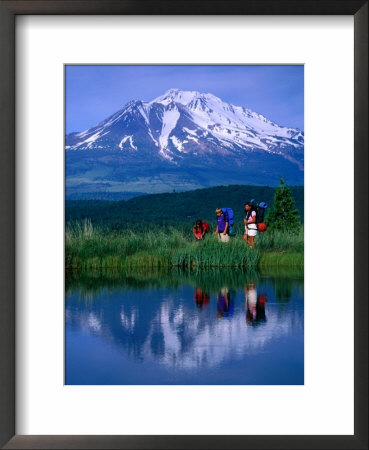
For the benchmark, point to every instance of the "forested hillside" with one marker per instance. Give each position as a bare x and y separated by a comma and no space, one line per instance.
151,211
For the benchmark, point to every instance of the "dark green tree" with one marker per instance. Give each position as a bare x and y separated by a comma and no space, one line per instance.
283,216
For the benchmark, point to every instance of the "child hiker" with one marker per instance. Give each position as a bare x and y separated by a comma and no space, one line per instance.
222,225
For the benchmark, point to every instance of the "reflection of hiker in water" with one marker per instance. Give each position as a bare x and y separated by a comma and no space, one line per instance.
225,300
201,298
254,305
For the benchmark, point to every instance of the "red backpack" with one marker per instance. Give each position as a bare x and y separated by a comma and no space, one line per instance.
262,227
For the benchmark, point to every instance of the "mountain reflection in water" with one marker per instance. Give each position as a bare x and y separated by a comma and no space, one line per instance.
206,327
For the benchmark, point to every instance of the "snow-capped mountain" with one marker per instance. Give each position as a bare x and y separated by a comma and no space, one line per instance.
183,140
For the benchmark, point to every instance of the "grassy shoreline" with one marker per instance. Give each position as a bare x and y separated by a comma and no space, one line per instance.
209,280
88,248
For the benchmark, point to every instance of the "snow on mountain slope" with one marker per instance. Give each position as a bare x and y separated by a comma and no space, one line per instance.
169,119
210,123
208,109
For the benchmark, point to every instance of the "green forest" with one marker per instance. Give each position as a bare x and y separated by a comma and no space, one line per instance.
175,209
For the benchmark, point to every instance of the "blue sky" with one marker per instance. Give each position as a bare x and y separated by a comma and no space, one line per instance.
95,92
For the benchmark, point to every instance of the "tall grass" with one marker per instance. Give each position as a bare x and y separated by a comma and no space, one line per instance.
279,241
280,249
212,253
90,248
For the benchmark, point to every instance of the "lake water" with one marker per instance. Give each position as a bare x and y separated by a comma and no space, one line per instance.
220,327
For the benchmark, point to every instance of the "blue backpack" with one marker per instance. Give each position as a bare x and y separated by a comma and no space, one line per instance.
229,216
228,213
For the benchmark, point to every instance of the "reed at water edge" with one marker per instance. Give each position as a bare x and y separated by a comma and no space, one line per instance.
87,247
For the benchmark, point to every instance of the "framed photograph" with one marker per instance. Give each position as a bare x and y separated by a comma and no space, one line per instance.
172,178
164,183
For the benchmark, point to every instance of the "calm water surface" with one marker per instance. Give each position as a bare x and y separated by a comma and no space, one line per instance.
213,327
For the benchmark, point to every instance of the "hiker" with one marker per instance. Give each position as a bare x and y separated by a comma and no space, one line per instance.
222,225
250,224
200,229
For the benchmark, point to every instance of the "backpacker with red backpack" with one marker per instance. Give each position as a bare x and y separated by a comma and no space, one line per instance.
199,228
205,227
260,213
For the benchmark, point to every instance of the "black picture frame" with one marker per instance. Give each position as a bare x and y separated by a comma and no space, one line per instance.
8,11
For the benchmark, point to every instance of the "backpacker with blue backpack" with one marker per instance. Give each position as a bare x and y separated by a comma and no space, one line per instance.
260,213
229,217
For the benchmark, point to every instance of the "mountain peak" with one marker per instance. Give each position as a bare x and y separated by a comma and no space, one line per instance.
179,96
